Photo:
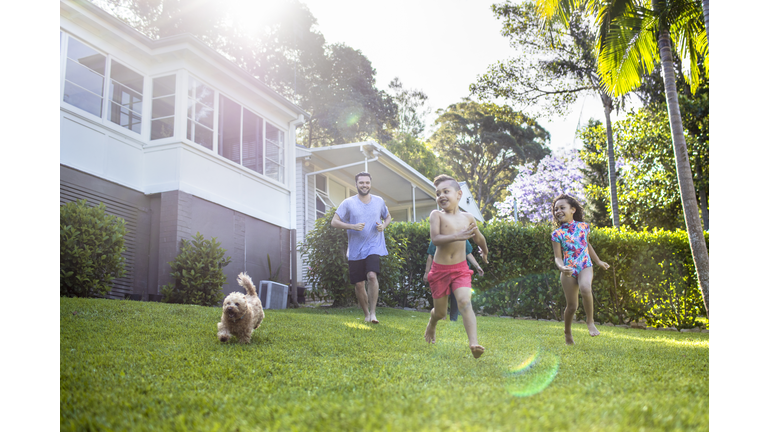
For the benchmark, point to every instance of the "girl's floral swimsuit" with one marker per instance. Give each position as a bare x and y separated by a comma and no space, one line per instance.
573,240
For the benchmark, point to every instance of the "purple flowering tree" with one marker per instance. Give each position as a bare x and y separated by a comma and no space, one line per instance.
536,185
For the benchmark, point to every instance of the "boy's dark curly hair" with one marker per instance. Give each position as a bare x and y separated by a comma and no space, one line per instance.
578,216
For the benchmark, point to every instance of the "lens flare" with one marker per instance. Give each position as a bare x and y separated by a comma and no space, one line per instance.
533,375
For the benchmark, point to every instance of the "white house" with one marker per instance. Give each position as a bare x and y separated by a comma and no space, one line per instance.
176,139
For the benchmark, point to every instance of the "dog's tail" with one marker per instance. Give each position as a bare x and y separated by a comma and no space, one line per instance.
245,281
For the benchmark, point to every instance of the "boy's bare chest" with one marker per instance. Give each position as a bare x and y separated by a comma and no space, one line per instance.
450,224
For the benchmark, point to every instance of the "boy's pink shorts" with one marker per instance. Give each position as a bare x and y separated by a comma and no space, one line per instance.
443,279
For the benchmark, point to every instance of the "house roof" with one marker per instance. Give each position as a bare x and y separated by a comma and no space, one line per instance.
391,178
85,10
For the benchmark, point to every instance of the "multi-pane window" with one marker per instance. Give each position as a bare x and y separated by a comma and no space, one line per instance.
240,135
274,146
163,106
322,203
200,113
126,93
84,78
85,74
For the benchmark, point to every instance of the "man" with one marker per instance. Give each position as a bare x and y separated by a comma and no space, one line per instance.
365,217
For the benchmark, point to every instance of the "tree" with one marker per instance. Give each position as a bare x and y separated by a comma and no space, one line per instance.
557,64
483,143
649,196
418,155
411,108
634,35
538,183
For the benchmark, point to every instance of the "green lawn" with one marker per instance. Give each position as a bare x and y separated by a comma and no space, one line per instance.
152,366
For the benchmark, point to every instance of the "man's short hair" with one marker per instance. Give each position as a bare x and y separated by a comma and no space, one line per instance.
445,177
362,174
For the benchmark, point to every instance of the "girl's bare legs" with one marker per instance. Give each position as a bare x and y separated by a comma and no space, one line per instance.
571,291
438,312
463,298
585,286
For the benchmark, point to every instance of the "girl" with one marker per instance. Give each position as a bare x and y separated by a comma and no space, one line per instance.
572,257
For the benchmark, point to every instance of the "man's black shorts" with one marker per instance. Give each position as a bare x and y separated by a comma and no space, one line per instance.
358,270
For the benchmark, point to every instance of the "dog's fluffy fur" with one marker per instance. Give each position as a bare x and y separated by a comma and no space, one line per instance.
241,313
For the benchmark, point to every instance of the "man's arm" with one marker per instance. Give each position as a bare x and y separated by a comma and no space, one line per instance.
337,223
382,225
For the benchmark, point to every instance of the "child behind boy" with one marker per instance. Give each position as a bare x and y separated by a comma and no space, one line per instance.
449,227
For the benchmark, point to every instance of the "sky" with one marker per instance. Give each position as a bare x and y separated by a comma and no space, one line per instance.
439,47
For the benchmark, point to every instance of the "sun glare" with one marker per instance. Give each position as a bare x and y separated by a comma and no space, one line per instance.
253,16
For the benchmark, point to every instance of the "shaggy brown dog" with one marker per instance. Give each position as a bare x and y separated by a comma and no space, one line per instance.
241,313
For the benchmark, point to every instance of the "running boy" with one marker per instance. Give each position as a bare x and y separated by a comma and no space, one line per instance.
572,257
449,227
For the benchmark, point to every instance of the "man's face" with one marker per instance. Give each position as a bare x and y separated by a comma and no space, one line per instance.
363,185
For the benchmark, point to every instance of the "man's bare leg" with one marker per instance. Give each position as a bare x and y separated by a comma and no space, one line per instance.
571,291
436,314
362,299
585,286
463,298
373,296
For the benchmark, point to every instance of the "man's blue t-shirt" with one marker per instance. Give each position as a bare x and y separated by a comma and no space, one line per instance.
369,241
432,249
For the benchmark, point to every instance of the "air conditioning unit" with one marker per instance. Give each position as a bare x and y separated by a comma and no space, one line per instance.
273,295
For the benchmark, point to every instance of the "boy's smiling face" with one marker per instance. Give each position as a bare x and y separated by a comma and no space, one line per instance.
446,195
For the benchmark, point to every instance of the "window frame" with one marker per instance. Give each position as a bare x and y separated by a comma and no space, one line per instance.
106,100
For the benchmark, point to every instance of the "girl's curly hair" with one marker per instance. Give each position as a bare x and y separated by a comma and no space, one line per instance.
578,216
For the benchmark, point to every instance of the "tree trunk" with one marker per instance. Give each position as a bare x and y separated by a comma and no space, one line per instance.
607,108
683,165
705,5
703,199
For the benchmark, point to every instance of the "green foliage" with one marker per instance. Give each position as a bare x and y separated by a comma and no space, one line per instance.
418,155
648,191
273,275
651,276
483,143
144,366
198,273
91,244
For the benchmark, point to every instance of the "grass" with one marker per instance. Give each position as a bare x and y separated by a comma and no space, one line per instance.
157,367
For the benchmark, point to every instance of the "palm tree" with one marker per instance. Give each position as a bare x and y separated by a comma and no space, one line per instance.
633,36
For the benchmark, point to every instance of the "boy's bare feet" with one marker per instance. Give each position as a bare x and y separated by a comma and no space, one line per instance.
592,329
429,334
477,350
568,339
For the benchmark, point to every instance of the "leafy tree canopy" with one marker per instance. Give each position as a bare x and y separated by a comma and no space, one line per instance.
483,143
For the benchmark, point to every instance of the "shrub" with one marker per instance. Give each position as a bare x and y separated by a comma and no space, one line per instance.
652,275
91,243
198,273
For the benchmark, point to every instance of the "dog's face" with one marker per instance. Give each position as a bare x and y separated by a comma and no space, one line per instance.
235,305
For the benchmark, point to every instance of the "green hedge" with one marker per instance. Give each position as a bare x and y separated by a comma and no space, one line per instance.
651,276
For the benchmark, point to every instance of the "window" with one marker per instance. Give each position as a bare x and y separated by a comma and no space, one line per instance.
274,149
240,135
322,203
200,114
163,106
84,78
126,90
85,75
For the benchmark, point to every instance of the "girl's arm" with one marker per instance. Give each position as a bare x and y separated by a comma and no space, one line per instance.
473,261
559,259
479,240
595,258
